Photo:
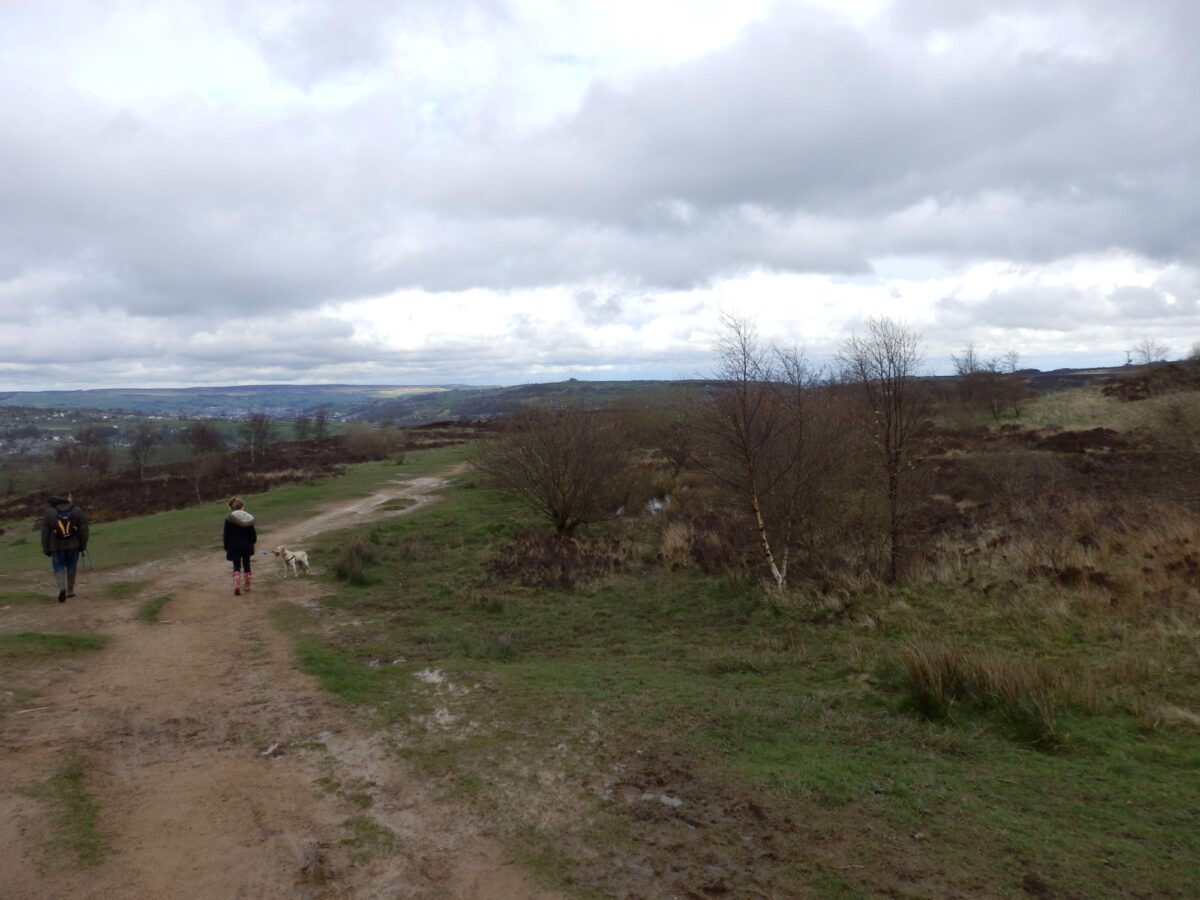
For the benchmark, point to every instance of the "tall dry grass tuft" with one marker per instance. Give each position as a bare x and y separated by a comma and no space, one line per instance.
1028,695
676,546
1160,716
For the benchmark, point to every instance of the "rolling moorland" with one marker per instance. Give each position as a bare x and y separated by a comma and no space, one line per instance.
398,404
635,711
40,424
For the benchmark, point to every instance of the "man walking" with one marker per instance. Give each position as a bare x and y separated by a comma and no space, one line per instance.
64,537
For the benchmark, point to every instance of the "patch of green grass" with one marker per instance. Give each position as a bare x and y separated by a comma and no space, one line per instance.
7,597
834,886
290,618
362,801
73,814
368,839
380,688
123,590
1087,407
539,854
33,644
148,611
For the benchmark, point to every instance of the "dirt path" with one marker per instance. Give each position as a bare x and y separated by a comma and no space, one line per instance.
175,720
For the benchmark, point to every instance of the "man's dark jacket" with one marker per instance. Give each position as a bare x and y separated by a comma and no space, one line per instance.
52,541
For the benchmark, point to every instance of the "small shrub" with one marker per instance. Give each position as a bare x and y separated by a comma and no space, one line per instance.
351,563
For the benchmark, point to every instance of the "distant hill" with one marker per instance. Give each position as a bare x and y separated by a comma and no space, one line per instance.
486,403
278,400
418,405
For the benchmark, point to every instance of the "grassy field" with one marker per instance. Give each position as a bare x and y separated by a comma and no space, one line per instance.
1087,407
129,541
667,722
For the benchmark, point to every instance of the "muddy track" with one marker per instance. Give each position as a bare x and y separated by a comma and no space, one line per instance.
220,770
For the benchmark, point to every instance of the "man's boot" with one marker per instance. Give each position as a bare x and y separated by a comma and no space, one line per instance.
70,584
60,578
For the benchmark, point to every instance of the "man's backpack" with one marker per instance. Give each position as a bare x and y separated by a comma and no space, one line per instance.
65,525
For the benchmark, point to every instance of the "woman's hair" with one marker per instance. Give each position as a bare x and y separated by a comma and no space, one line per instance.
236,503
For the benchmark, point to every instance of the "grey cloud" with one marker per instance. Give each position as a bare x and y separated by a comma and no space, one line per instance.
1066,308
807,117
596,311
318,40
806,146
1135,302
1038,308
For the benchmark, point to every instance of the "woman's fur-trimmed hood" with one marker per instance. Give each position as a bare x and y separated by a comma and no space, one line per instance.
240,517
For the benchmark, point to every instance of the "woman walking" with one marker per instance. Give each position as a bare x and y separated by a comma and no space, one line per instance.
240,538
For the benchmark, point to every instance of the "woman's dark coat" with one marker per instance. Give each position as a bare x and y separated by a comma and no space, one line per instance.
240,536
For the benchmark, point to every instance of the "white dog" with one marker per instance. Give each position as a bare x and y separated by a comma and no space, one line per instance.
293,558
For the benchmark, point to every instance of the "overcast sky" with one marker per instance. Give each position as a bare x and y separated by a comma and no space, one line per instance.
500,191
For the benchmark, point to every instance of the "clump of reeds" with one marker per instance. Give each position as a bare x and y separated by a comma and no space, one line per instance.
1026,694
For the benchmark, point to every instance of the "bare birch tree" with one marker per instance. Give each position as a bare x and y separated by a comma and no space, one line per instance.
1150,351
882,366
321,425
145,438
301,425
205,443
257,431
990,384
757,439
